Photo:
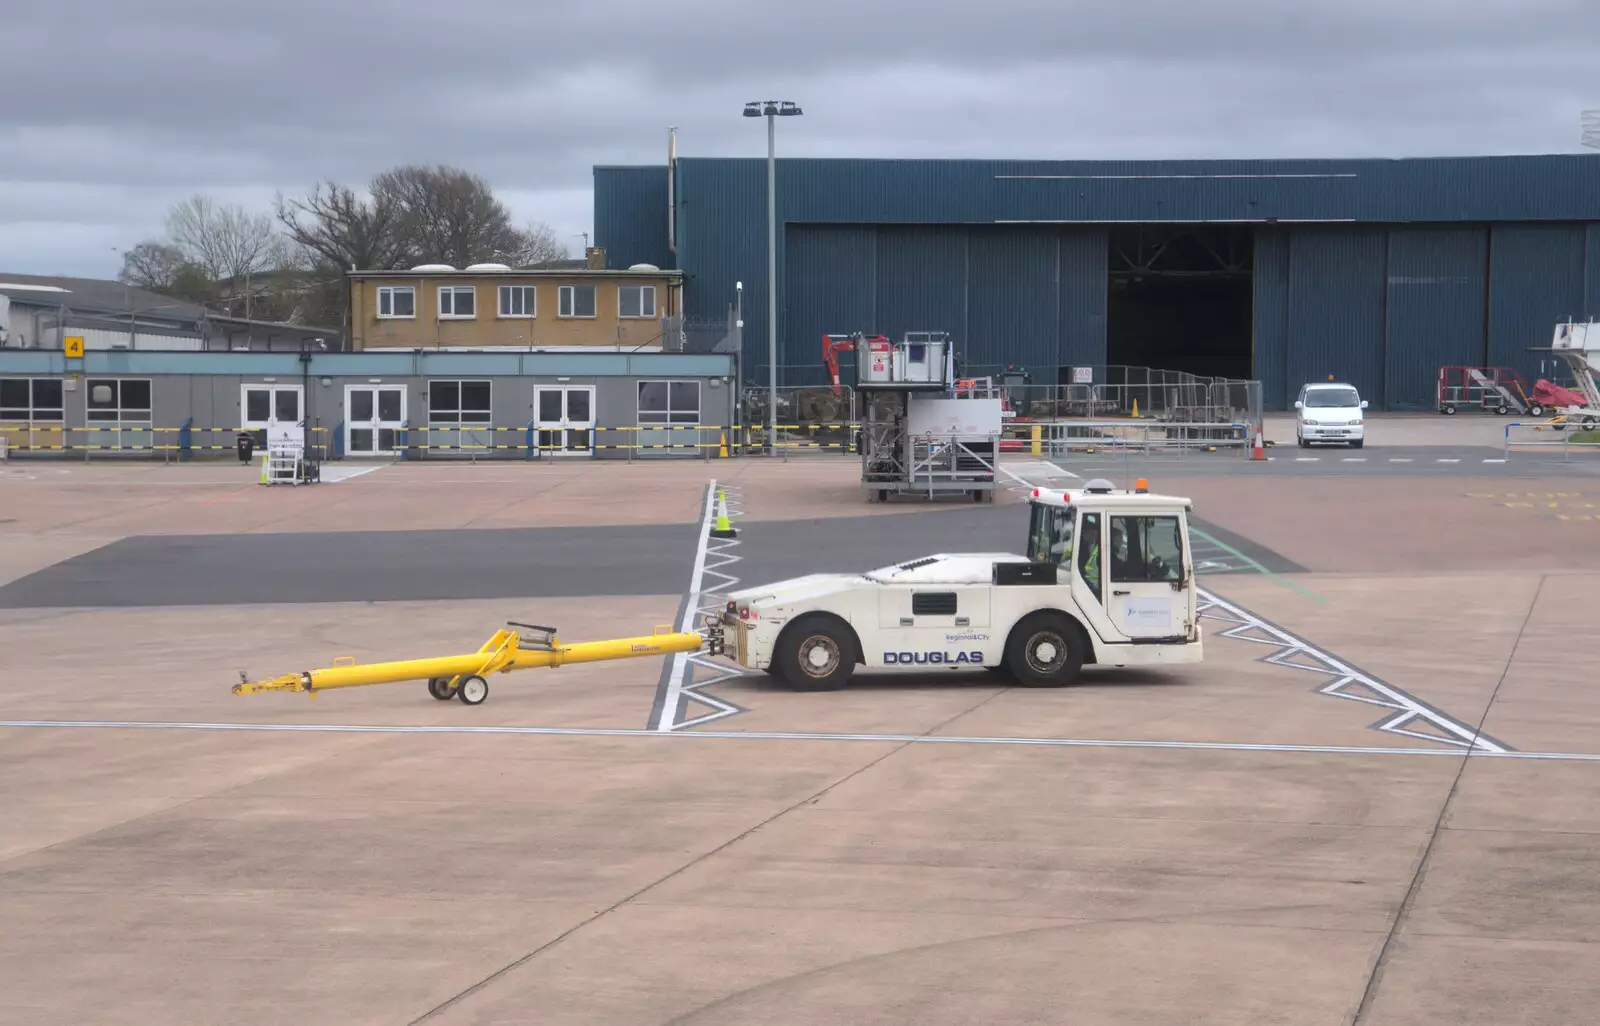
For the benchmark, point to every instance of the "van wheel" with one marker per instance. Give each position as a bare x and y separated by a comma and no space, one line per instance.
1357,443
816,653
1045,650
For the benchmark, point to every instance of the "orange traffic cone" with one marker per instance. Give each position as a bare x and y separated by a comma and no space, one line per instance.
1259,450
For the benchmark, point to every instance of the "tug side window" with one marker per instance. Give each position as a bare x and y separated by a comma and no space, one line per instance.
1146,549
1089,553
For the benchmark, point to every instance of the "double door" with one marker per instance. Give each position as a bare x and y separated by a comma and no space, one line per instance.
563,419
374,417
274,413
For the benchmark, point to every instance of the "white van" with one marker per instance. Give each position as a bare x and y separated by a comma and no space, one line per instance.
1330,412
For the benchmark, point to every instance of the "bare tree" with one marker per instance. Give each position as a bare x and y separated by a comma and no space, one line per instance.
229,243
538,243
448,216
344,229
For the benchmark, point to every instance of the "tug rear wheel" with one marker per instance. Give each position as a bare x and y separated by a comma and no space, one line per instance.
439,687
472,690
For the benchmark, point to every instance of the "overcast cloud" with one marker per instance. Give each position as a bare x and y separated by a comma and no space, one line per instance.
117,108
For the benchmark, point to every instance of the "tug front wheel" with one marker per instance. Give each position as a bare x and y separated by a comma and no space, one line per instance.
816,653
472,690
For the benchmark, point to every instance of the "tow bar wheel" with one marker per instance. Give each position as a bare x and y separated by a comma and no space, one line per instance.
473,690
439,687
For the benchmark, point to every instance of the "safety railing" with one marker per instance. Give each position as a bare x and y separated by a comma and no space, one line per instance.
1116,437
133,437
1552,436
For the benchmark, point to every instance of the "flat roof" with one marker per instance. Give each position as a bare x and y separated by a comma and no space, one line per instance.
462,272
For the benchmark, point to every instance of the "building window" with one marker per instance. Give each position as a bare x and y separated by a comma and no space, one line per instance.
669,402
30,399
636,301
458,403
119,400
577,301
518,301
397,301
458,302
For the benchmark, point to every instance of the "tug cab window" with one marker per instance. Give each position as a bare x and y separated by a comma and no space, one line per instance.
1146,549
1050,534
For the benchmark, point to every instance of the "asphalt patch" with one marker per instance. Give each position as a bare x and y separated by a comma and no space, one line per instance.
358,566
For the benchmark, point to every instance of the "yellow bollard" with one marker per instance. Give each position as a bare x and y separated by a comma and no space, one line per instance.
263,468
1038,433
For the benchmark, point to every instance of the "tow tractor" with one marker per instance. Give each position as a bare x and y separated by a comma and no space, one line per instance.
1107,579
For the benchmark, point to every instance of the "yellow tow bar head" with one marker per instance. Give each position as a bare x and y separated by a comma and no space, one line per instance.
463,675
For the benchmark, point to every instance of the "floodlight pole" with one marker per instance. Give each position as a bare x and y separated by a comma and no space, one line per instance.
772,110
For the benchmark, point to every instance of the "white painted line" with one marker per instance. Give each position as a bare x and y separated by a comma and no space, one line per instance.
1354,459
691,609
767,735
1033,466
1395,459
1443,460
1307,459
333,475
1494,461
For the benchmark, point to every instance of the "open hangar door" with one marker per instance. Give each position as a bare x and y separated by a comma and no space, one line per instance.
1180,298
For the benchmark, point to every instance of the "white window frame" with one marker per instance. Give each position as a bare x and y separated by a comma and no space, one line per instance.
665,418
566,302
481,419
95,416
389,292
453,291
33,413
641,315
531,305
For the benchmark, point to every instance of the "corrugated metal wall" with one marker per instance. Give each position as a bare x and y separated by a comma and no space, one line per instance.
1536,279
1270,346
630,215
1024,296
1591,271
1336,296
1435,308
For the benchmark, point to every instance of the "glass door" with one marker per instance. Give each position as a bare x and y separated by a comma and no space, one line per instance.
273,413
563,420
374,418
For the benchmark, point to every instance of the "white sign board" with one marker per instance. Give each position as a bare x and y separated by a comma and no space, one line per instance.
1143,615
970,419
1083,375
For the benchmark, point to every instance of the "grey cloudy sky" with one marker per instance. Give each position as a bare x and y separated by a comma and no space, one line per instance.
117,108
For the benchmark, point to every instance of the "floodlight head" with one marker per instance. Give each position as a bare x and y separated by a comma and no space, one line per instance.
787,109
752,110
1590,120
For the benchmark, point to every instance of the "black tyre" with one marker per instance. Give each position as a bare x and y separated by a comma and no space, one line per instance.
439,687
472,690
1536,410
1450,409
977,495
816,653
1045,650
1358,443
1502,410
1303,443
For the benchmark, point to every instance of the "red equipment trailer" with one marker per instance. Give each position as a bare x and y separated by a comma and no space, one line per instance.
1499,390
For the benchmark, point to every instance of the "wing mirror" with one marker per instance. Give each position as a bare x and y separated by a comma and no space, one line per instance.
1299,405
1363,404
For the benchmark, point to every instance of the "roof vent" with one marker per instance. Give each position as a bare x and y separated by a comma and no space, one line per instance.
488,267
433,267
643,267
1099,486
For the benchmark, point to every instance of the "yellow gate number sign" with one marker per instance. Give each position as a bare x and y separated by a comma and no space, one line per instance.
73,344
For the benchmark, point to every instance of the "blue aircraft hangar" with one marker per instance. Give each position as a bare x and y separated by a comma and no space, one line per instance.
1378,272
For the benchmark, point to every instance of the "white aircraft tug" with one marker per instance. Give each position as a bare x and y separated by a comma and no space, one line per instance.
1107,579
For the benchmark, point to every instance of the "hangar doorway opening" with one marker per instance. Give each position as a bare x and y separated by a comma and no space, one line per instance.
1181,298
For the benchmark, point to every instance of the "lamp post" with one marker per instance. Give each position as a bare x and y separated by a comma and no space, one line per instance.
772,110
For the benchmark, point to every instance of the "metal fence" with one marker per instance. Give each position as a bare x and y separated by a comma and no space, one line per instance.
1548,437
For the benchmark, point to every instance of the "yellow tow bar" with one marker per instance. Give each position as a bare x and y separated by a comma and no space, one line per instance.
462,676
